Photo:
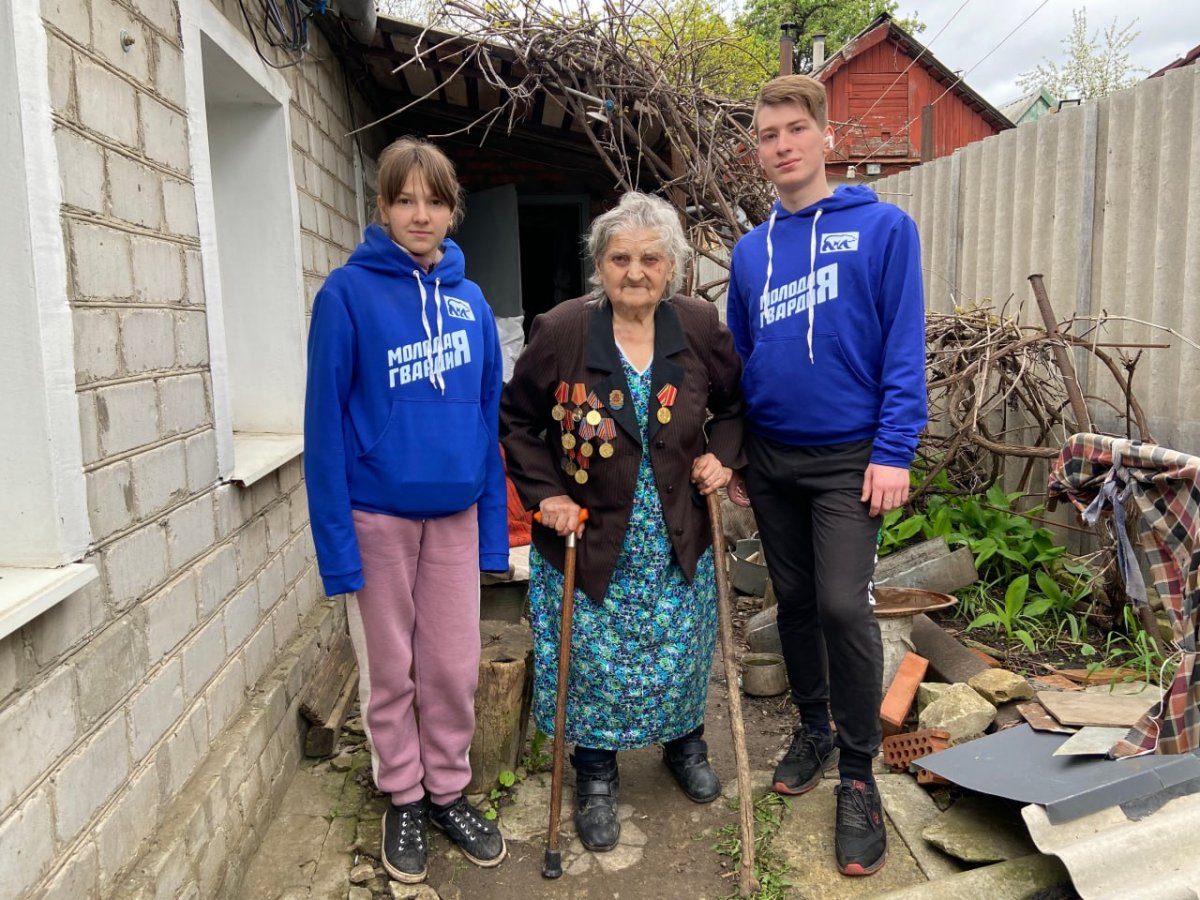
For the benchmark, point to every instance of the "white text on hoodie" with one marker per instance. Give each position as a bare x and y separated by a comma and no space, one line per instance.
411,362
798,295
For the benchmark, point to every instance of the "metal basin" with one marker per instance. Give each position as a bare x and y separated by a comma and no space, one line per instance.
893,602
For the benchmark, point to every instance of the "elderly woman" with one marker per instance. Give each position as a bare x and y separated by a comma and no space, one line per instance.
626,403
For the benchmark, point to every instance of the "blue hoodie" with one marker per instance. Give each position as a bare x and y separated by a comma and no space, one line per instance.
827,310
401,415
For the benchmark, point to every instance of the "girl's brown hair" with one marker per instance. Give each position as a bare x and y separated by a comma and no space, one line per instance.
401,158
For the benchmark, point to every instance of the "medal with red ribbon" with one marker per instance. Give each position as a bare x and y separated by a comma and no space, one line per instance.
558,411
666,399
606,431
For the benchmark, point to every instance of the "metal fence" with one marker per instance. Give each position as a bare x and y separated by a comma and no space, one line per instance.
1102,199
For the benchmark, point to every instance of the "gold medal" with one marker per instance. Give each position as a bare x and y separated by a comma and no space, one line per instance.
586,449
558,413
664,415
581,477
606,450
568,441
593,417
571,468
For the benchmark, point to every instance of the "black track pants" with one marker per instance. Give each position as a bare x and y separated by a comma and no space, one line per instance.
820,544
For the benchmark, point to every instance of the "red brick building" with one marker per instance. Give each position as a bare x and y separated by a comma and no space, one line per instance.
894,106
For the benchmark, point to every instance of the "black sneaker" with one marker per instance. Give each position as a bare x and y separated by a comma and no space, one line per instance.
479,839
403,853
811,754
687,758
860,838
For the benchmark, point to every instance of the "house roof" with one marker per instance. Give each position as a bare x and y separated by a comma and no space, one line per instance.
1188,59
1015,109
885,28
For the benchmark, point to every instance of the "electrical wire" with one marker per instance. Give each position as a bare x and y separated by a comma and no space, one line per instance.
953,84
912,62
284,28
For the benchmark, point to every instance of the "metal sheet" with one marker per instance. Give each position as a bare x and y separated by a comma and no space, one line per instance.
1019,763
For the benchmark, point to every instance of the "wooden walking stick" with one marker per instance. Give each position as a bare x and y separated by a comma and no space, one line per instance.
552,865
747,882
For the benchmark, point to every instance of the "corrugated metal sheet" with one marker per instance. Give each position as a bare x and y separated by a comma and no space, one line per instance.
1113,856
1104,201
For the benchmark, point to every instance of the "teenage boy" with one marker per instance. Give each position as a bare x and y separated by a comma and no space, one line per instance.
827,311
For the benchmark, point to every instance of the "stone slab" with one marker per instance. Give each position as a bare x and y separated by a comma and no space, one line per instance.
911,810
981,830
1079,708
1015,879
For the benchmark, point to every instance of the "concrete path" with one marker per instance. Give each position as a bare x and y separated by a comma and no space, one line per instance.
324,843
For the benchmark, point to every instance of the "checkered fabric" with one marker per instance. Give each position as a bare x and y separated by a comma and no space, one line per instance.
1165,485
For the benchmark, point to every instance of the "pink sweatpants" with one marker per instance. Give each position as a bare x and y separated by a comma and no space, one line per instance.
415,630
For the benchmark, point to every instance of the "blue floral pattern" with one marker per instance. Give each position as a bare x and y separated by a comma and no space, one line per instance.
640,657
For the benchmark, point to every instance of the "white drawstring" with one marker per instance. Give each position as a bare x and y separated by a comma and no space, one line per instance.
812,283
763,301
435,375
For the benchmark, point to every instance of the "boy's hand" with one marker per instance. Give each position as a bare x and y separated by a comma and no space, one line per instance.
885,488
736,490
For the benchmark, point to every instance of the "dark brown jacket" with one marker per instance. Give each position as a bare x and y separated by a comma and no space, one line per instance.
573,344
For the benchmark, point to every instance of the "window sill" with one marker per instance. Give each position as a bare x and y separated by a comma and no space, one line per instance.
27,593
256,455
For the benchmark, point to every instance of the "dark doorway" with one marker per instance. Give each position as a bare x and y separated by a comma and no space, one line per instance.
552,264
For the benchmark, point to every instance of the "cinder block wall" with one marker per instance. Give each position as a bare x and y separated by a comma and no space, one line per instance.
148,722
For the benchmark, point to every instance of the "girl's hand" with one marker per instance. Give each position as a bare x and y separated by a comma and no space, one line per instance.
709,475
562,514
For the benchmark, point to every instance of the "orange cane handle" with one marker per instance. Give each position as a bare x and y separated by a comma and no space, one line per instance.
583,516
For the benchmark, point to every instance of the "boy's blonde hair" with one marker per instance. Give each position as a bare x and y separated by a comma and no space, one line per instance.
401,158
803,90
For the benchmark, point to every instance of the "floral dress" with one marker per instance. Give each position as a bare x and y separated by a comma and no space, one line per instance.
640,656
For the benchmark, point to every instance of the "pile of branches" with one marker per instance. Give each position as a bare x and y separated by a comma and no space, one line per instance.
636,78
995,391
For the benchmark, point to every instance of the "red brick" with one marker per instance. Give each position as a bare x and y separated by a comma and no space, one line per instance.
903,690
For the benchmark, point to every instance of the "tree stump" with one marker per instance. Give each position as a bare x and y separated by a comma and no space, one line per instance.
501,702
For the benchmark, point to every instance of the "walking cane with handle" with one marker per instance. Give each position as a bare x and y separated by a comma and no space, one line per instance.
747,883
552,866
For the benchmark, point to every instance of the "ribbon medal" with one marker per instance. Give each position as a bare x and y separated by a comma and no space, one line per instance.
606,431
558,411
666,398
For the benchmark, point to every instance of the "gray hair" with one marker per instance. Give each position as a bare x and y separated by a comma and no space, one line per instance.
637,211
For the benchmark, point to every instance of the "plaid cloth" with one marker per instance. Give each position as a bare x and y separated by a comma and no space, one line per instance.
1165,486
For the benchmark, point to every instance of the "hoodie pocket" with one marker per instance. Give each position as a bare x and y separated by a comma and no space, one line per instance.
430,458
811,402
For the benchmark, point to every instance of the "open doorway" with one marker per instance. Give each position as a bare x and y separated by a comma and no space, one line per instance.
553,267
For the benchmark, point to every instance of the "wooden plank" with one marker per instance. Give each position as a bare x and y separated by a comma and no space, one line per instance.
321,694
321,738
1080,708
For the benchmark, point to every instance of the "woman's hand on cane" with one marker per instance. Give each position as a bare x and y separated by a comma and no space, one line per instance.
562,514
709,475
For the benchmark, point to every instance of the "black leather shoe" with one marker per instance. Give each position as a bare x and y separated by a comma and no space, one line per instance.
596,804
404,850
687,758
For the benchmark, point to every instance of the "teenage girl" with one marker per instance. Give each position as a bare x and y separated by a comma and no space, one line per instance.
406,494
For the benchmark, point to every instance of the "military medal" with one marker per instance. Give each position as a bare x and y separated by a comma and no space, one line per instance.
666,398
593,416
581,477
586,449
568,441
558,411
616,399
606,431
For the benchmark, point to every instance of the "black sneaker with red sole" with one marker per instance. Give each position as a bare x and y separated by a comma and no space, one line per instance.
810,756
860,836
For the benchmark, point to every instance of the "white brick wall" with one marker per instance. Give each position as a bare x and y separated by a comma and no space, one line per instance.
208,594
44,717
89,777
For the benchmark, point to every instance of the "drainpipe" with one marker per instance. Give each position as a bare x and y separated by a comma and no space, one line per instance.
359,18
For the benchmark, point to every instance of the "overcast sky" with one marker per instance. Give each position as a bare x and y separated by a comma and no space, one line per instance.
1168,29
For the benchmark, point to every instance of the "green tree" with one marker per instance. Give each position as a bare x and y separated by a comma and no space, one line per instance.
839,20
1093,65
